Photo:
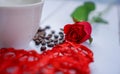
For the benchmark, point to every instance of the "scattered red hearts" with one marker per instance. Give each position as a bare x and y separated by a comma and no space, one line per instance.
66,58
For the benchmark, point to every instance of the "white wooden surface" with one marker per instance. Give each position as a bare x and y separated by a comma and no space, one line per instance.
106,45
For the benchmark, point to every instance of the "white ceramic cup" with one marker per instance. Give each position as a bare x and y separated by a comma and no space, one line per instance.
19,21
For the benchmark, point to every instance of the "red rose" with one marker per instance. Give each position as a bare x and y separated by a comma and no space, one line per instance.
78,32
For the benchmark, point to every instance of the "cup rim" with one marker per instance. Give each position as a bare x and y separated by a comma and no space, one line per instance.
24,5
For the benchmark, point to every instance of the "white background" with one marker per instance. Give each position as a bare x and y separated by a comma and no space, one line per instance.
106,44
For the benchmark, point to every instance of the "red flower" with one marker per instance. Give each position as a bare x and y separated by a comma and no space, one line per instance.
78,32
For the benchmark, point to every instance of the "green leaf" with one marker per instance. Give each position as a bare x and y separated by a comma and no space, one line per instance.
99,19
90,6
81,13
91,40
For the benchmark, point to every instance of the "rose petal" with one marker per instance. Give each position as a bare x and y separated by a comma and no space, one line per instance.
67,28
78,32
87,26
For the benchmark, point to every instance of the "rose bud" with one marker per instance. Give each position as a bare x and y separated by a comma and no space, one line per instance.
78,32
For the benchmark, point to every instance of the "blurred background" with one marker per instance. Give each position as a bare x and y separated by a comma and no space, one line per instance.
106,37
